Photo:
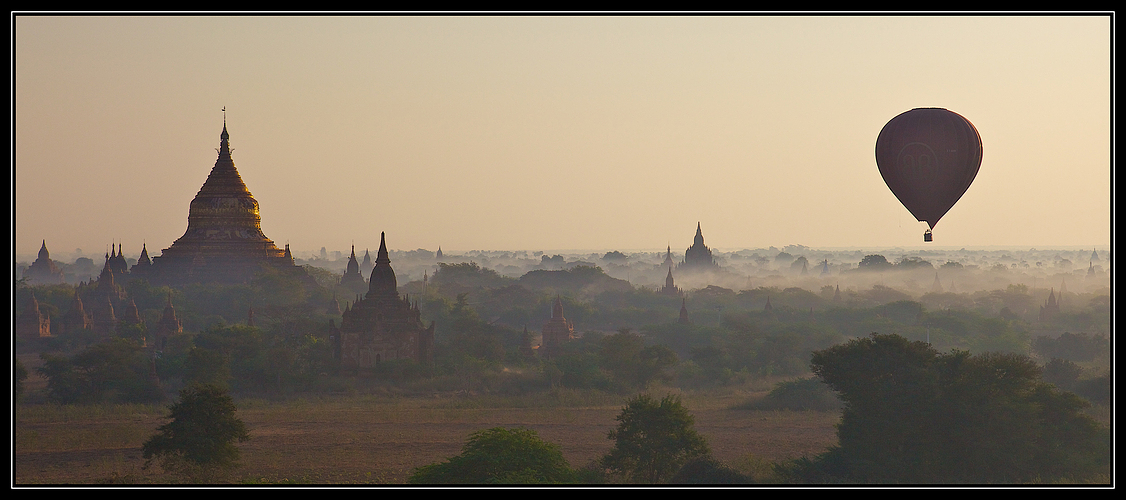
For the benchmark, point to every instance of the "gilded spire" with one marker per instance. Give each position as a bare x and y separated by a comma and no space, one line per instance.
225,139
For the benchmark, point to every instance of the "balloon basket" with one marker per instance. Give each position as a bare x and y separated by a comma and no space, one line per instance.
927,236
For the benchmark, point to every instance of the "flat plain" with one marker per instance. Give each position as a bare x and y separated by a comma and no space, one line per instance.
379,439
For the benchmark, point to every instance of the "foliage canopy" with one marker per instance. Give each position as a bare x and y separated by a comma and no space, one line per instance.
116,370
500,456
913,415
202,432
653,440
874,261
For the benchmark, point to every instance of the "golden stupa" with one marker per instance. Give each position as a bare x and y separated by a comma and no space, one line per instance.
224,241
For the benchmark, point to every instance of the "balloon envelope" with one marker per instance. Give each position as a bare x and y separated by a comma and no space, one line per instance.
928,158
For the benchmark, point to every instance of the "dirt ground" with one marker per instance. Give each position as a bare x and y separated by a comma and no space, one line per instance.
372,440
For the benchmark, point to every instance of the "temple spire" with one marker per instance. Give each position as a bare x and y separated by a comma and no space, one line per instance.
381,255
225,140
382,281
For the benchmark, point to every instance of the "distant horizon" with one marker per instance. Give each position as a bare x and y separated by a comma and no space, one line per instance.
29,257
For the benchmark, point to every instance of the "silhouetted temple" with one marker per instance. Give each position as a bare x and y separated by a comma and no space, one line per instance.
224,241
168,326
684,312
698,256
117,262
43,271
668,262
352,280
1051,307
382,326
670,288
367,265
144,263
556,332
105,299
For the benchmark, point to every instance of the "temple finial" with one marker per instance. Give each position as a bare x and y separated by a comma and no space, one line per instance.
382,253
225,139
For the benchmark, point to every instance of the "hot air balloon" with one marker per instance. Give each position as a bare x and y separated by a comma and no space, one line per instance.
928,158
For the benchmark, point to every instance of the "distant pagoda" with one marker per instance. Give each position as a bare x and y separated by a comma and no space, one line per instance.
668,258
557,331
43,270
367,265
670,287
698,256
352,280
1051,308
224,241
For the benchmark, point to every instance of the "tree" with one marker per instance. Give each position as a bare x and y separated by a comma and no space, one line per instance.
913,415
874,262
913,263
615,257
201,435
500,456
653,439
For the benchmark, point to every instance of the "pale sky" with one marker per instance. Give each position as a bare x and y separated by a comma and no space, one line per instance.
553,133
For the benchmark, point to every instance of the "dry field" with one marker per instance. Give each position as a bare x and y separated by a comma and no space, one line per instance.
365,439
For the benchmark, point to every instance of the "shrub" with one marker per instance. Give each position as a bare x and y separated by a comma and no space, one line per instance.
500,456
708,470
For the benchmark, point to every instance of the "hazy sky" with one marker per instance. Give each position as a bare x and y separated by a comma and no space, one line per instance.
540,133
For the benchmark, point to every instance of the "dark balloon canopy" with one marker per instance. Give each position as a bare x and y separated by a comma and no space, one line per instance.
928,158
